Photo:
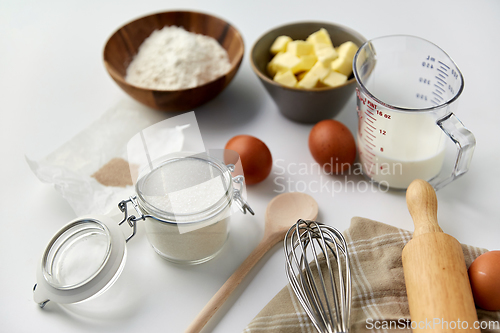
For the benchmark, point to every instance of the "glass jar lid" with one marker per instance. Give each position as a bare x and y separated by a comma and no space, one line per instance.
186,188
83,259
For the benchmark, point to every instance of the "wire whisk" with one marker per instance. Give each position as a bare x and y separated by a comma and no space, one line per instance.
326,295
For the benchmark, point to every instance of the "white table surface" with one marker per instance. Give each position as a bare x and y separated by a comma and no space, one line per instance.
53,84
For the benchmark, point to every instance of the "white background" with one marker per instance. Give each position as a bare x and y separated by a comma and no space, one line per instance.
53,84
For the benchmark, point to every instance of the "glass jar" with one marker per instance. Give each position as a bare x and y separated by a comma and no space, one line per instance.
185,202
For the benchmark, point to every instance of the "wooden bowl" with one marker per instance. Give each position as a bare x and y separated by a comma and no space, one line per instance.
301,105
124,44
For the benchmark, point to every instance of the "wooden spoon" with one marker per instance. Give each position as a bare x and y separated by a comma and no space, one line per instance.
281,213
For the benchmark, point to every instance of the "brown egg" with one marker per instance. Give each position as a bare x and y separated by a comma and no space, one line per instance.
484,276
332,146
255,157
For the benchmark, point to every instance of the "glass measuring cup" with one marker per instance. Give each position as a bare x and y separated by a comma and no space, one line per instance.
407,93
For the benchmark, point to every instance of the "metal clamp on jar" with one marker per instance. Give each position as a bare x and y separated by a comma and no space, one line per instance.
186,205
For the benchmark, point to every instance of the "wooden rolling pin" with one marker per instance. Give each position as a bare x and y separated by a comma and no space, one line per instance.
437,284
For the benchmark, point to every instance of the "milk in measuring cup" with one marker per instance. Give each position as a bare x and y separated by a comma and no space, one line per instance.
407,92
393,151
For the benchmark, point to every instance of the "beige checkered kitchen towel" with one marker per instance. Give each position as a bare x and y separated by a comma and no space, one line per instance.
378,287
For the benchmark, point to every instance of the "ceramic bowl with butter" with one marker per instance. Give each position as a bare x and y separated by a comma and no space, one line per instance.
315,103
123,46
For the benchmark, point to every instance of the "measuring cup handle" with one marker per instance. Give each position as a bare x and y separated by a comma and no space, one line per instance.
465,143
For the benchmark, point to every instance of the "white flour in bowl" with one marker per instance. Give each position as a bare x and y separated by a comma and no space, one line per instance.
173,59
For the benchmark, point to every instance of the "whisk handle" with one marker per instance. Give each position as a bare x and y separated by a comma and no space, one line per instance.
234,280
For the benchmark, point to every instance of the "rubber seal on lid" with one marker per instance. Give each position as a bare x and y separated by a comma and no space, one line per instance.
82,260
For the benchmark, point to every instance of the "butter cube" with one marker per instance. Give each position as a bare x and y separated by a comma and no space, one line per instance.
283,62
319,46
306,63
334,79
347,50
309,81
319,70
326,54
286,61
280,44
286,78
342,65
271,68
299,48
320,36
317,73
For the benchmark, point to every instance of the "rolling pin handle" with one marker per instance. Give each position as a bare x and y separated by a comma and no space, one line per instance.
422,204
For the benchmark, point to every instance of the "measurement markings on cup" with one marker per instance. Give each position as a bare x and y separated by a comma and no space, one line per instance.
370,119
443,76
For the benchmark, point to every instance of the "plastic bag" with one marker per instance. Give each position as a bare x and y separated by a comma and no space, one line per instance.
71,166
